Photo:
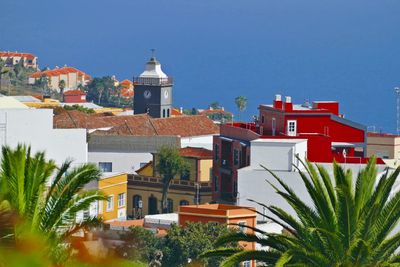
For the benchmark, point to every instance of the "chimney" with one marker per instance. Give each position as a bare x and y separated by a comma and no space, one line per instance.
278,102
181,110
288,104
223,109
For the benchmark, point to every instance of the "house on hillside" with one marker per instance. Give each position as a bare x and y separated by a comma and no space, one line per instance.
71,76
12,58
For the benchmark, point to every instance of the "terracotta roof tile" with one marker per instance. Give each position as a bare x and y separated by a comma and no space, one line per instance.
57,72
196,152
140,125
74,92
186,126
16,54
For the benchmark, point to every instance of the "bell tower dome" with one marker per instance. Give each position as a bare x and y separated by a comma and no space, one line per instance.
153,91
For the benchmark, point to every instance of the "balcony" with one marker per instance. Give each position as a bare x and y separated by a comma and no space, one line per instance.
153,81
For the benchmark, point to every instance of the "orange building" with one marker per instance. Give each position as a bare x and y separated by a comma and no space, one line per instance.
225,214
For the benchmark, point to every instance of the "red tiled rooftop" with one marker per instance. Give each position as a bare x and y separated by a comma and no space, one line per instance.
140,125
57,72
176,112
17,54
196,152
74,92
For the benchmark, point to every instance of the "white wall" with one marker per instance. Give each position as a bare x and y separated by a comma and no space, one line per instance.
35,127
277,155
121,162
252,185
205,141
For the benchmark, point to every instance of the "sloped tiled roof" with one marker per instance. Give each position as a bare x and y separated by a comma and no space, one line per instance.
17,54
139,125
59,71
74,92
196,152
175,112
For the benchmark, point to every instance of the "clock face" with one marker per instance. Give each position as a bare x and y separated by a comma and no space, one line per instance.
147,94
166,93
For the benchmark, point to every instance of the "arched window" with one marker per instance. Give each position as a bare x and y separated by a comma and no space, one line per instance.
170,205
183,203
163,113
167,113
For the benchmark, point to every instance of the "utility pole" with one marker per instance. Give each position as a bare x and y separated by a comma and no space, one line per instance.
397,91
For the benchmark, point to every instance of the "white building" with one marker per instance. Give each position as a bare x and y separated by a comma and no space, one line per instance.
34,127
278,155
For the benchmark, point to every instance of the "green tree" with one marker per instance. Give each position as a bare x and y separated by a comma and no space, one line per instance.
169,164
241,104
61,86
100,90
349,223
140,244
45,209
191,241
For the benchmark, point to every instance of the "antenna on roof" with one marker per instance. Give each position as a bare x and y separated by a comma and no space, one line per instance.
153,53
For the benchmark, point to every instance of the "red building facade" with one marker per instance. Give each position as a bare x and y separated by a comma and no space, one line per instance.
329,137
74,96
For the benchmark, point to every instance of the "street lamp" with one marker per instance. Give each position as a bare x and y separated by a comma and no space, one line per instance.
397,91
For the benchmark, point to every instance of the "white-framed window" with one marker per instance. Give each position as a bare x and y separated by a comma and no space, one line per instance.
242,227
121,200
292,128
247,264
110,203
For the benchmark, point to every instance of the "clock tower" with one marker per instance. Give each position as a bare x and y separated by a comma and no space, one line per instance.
153,91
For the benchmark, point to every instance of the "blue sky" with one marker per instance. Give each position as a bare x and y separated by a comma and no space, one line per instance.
218,49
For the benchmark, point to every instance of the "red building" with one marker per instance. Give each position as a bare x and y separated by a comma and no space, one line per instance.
74,96
329,137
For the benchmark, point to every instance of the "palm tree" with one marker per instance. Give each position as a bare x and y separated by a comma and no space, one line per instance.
46,208
348,224
170,163
61,86
241,103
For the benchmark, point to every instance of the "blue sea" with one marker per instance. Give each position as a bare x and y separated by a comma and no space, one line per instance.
341,50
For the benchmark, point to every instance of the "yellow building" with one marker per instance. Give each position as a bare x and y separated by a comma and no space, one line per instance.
134,196
115,187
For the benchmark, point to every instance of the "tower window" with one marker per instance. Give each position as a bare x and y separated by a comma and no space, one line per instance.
163,113
168,113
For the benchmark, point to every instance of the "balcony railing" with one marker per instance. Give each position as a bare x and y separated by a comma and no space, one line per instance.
153,81
138,178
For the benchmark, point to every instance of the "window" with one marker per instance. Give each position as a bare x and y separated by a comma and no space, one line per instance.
262,119
121,200
163,113
86,214
216,152
242,227
137,202
110,203
183,203
216,183
170,205
105,166
185,175
291,128
235,157
168,113
247,264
